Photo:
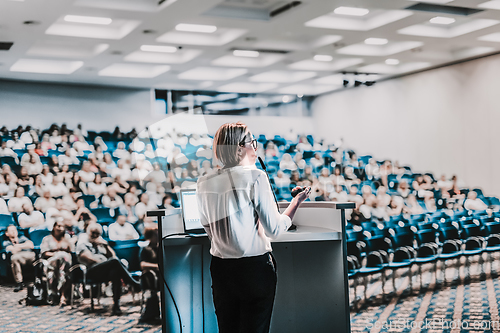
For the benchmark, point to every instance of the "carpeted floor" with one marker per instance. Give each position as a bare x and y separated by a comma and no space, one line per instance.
16,317
465,305
468,302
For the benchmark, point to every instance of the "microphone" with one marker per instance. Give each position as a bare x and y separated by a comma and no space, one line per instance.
293,227
272,190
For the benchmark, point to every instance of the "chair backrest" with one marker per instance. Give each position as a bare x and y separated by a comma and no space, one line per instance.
353,249
377,243
354,235
449,233
88,199
37,236
6,220
492,228
129,252
471,230
104,214
426,236
401,239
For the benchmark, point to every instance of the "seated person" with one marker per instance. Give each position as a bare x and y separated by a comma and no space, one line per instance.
56,248
16,203
150,273
111,200
31,218
22,253
102,265
122,230
45,202
473,203
128,208
83,216
57,188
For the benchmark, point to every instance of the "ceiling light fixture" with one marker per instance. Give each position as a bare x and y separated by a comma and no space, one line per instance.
158,48
196,28
246,53
442,20
392,62
376,41
286,99
88,19
352,11
323,57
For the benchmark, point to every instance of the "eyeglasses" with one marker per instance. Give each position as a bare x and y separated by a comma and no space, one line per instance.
252,142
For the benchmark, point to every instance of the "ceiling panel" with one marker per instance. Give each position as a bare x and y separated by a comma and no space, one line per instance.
277,46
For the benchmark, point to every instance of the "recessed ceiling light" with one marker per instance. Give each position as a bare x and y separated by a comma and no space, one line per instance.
442,20
352,11
494,4
88,19
246,53
158,48
376,41
323,57
286,99
45,66
392,62
196,28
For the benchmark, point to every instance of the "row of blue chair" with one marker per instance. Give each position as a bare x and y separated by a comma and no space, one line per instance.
378,247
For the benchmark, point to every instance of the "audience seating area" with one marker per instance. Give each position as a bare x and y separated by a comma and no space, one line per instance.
402,218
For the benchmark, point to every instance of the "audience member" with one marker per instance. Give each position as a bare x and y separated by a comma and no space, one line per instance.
473,202
22,253
111,200
56,248
57,189
287,163
122,230
16,203
31,218
150,275
45,202
102,265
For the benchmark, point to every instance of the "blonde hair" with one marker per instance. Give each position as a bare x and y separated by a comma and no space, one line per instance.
226,142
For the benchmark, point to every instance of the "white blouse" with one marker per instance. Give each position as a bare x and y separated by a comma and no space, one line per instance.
238,212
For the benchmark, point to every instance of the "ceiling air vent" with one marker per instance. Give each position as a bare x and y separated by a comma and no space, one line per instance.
263,10
441,9
5,46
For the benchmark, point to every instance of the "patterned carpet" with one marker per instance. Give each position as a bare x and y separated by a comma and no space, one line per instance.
459,306
16,317
462,306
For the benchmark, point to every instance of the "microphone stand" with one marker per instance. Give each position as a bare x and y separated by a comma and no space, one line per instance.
272,190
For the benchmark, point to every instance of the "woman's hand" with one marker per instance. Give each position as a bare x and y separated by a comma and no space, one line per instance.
303,195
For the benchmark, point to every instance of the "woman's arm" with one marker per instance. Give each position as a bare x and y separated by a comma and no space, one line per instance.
296,201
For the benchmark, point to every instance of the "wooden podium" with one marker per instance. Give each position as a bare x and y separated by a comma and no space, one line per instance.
313,289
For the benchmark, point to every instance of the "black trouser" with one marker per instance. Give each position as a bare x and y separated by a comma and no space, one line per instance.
243,291
114,271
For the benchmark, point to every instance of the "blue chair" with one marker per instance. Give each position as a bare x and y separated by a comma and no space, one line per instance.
492,229
88,199
5,221
377,259
104,215
36,236
451,245
402,239
354,256
474,243
427,250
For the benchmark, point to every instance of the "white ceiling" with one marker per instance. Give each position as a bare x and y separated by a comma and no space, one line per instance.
53,49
